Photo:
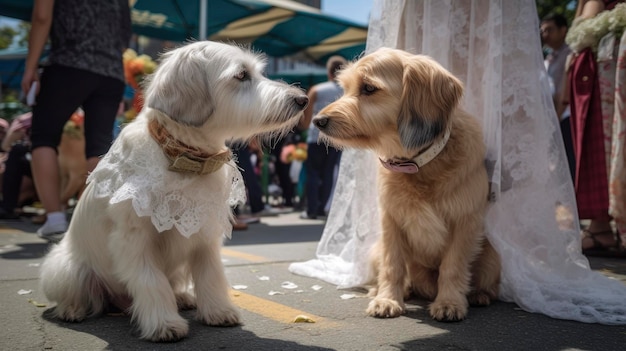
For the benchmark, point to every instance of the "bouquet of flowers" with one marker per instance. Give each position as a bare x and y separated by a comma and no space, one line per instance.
293,152
587,32
136,68
73,127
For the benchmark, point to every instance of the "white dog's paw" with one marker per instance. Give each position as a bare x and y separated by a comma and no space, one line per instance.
70,313
172,330
448,310
225,317
185,301
382,307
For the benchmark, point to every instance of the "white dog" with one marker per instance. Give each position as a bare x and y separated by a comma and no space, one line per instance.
152,218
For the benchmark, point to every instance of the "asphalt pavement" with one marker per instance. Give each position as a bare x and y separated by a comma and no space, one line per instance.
271,299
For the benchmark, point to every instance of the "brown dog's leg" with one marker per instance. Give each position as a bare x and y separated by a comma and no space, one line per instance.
389,302
454,272
485,276
423,281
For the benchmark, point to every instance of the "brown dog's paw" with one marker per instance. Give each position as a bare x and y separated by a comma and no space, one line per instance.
185,301
224,318
385,308
479,298
169,331
448,311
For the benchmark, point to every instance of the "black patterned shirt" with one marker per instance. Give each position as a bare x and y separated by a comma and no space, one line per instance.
90,35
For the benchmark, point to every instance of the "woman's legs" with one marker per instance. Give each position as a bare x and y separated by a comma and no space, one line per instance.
63,90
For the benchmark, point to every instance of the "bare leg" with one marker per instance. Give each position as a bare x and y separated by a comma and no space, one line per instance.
46,175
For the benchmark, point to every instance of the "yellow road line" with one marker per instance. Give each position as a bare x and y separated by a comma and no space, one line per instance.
9,230
273,310
243,255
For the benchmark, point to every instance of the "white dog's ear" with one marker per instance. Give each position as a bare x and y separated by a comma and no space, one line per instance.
430,95
180,88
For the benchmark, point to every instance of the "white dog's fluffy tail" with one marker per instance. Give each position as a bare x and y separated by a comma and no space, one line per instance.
72,284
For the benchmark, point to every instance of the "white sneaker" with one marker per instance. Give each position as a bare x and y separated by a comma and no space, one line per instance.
52,232
270,211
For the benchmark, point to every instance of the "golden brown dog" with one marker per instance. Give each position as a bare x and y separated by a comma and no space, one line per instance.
72,161
433,184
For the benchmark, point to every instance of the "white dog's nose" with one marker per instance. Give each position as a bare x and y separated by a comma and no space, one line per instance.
302,101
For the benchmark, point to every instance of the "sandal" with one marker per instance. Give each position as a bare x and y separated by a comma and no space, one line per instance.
598,249
237,225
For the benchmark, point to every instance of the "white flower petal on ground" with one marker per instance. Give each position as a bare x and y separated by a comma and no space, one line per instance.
288,285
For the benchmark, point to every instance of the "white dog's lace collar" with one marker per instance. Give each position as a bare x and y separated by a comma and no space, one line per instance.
185,158
413,165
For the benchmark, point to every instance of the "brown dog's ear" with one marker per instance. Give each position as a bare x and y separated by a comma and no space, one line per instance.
429,96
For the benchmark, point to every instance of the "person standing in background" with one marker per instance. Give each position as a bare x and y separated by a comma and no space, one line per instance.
87,39
553,29
321,159
17,186
592,125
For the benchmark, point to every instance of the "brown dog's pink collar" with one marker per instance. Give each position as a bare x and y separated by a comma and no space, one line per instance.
413,165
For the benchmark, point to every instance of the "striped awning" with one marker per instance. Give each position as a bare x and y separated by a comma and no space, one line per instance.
276,27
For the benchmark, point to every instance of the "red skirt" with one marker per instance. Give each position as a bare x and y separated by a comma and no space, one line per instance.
591,182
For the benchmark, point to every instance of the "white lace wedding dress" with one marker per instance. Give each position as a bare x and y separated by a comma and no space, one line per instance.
493,46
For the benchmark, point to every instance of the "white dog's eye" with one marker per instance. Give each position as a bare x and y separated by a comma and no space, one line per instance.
243,75
368,89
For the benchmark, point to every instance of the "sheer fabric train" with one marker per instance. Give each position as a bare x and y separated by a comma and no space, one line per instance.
493,46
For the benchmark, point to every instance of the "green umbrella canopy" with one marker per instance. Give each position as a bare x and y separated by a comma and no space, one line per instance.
276,27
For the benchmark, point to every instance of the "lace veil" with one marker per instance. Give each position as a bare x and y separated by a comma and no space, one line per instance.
493,46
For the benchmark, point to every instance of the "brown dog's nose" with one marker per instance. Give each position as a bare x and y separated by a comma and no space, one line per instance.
320,122
302,101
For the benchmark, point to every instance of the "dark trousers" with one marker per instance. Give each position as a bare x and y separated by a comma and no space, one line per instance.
63,90
250,179
320,165
17,166
282,171
566,133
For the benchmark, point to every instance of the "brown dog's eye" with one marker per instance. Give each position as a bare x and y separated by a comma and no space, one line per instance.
368,89
243,76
